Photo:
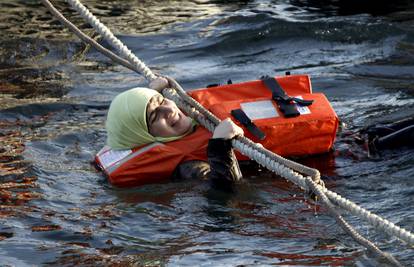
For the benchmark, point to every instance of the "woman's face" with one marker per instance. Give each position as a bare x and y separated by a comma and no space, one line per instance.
165,119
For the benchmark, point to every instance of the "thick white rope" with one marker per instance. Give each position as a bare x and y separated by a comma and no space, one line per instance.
262,157
298,179
112,40
88,39
348,228
373,219
314,173
243,148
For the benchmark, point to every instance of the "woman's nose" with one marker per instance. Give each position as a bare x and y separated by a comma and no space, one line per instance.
166,108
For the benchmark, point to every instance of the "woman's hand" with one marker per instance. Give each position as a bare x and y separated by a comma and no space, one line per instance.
227,129
159,84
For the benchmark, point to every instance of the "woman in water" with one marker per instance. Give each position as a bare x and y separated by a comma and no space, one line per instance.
142,116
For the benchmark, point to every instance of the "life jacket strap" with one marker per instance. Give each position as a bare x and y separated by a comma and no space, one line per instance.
286,104
242,117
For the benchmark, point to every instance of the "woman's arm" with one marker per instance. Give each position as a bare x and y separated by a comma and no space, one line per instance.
224,168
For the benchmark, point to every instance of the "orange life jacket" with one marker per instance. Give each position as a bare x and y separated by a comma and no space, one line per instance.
310,133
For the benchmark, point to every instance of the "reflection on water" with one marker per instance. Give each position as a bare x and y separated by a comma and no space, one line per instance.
351,7
55,91
28,18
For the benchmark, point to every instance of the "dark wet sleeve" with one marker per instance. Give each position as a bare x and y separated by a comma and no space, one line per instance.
397,139
193,169
391,135
224,168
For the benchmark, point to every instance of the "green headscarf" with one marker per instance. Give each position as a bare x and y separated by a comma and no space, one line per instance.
126,123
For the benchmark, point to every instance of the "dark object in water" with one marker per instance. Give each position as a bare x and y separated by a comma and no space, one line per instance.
391,136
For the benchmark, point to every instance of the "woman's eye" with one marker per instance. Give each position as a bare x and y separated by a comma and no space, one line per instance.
154,115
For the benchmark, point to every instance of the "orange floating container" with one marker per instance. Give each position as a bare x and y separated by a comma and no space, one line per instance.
312,132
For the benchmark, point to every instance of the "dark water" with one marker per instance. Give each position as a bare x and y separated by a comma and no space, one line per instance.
55,209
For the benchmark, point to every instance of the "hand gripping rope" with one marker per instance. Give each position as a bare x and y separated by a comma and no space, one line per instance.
285,168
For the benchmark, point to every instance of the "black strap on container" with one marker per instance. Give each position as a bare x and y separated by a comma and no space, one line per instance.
286,104
239,115
229,81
